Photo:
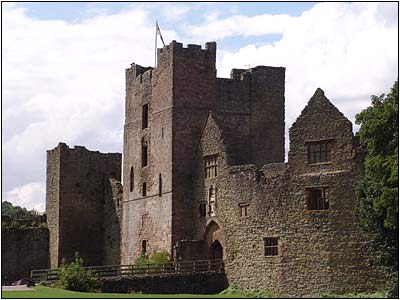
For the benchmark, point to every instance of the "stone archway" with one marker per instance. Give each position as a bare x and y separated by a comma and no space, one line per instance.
216,251
215,241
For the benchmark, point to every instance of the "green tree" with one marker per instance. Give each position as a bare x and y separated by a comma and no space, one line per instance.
17,212
378,193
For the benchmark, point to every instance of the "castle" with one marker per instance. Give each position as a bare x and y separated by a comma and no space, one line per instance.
204,177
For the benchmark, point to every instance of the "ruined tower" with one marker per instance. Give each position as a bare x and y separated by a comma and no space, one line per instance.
166,110
82,205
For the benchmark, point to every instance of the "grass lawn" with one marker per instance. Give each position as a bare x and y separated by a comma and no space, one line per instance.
47,292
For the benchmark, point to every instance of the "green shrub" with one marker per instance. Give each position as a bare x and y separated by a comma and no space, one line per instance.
159,257
233,289
75,278
141,260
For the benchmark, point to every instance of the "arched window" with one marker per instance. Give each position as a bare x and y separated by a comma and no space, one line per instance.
159,185
131,175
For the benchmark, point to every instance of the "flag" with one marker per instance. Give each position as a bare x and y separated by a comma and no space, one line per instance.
158,31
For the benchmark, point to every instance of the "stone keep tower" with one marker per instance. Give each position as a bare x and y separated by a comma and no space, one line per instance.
82,205
165,111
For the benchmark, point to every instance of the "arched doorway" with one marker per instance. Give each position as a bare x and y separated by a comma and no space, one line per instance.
216,250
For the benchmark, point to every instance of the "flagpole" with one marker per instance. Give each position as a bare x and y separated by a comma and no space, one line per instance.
155,50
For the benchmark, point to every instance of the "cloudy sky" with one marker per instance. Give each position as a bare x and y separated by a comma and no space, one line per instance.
63,66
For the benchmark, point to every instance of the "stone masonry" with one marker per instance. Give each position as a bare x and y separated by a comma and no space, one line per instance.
237,124
82,205
204,177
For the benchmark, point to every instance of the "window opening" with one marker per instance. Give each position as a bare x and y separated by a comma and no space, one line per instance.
317,198
211,200
318,152
159,185
144,247
144,154
244,209
271,246
145,116
131,177
210,166
144,189
202,209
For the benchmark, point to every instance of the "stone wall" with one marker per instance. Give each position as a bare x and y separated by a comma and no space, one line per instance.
23,250
318,251
75,202
147,218
180,93
112,222
203,283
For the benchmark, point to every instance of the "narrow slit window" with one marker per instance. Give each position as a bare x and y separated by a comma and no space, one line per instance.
144,154
271,246
131,178
159,185
144,246
317,198
244,209
145,116
144,189
202,209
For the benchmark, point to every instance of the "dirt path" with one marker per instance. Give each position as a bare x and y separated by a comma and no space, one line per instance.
16,288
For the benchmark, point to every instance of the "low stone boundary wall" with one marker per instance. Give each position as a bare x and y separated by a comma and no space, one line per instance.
23,249
200,283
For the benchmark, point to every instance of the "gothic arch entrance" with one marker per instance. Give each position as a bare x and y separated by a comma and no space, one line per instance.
216,250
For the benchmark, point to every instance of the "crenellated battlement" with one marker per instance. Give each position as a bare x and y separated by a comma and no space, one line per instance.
176,49
63,148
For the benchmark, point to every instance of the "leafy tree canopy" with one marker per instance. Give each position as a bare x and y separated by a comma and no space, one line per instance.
17,212
378,193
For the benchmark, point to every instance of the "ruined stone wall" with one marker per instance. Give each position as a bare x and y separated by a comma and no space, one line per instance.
52,203
112,222
318,251
23,250
80,201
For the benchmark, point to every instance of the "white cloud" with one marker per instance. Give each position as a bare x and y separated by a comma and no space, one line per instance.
347,49
66,82
30,196
213,28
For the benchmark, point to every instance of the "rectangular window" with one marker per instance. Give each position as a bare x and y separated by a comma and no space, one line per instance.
202,209
271,246
144,246
210,166
318,152
145,116
244,209
144,154
211,200
144,189
317,198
